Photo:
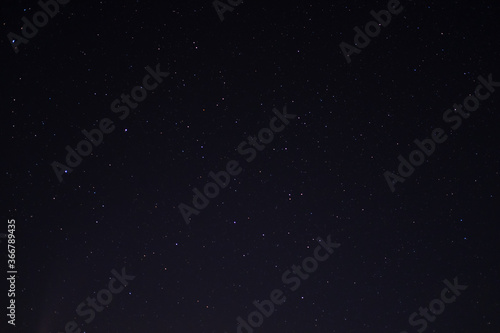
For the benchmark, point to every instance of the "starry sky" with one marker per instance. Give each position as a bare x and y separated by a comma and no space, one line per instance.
322,176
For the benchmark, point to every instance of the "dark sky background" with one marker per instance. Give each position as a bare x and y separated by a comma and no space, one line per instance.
322,175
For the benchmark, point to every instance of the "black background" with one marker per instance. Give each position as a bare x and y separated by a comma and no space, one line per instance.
322,175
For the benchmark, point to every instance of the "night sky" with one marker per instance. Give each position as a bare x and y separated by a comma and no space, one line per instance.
353,181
